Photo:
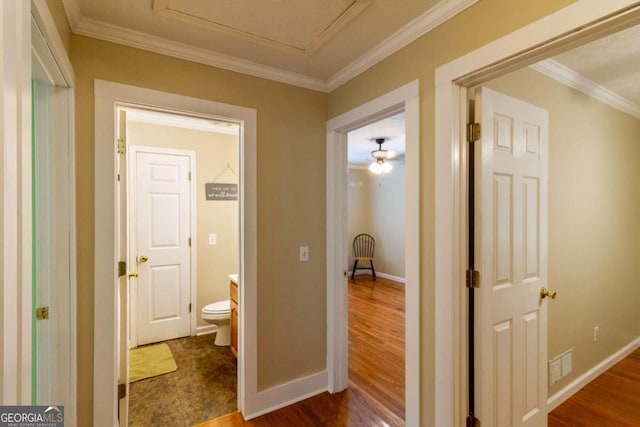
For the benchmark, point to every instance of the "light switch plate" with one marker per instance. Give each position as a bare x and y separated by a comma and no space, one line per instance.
213,239
304,253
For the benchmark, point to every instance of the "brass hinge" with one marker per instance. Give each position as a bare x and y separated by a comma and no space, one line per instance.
189,176
189,307
118,177
122,391
122,268
473,279
473,132
122,146
42,313
189,241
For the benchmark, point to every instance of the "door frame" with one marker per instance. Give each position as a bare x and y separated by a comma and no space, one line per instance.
405,98
108,95
569,27
131,183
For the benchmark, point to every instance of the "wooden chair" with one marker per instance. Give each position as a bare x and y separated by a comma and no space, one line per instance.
363,247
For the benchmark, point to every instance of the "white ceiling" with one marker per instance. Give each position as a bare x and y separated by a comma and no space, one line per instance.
319,44
361,142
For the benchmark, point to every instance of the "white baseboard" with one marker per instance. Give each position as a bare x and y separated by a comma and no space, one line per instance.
284,395
204,330
572,388
383,275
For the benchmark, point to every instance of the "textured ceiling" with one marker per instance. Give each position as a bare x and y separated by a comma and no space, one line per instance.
315,38
612,62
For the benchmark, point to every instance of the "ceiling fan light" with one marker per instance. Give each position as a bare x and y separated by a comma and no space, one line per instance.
386,167
376,167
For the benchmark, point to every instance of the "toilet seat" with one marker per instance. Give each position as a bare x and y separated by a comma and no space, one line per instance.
217,310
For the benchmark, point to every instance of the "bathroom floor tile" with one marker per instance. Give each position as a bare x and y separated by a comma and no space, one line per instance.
202,387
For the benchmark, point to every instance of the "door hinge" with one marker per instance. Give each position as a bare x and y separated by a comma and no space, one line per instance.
122,391
122,268
42,313
122,146
473,132
118,177
189,307
189,176
473,279
189,241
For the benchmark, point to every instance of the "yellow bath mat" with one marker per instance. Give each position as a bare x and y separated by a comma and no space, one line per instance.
150,361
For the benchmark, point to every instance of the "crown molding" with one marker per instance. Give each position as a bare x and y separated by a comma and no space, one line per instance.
73,12
137,39
438,14
185,122
567,76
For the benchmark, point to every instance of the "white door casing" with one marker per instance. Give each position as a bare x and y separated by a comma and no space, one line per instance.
161,201
511,254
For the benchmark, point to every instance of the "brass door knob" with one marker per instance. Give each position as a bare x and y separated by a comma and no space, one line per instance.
133,274
544,292
143,258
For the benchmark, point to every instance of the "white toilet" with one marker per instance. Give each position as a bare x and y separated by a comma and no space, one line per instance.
219,313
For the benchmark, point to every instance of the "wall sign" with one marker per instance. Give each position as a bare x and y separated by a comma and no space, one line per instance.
221,191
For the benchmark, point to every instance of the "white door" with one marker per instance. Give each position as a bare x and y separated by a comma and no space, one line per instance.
161,243
511,255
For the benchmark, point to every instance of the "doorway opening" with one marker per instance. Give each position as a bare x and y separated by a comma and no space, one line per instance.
402,100
182,240
452,83
376,236
111,283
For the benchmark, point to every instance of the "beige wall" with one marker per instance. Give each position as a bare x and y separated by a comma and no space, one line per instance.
291,201
376,207
594,232
484,22
213,152
60,18
291,169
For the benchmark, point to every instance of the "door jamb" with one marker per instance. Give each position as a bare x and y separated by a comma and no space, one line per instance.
132,247
404,98
574,25
107,95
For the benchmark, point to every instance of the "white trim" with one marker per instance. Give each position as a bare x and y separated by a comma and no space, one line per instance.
73,12
47,26
419,26
124,36
576,23
286,394
569,77
163,119
205,330
441,12
404,98
107,94
15,202
574,386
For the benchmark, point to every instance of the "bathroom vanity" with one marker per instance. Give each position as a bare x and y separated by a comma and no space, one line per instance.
233,320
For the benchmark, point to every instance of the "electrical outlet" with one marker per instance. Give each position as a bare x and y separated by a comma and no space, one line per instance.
213,239
555,371
304,253
596,333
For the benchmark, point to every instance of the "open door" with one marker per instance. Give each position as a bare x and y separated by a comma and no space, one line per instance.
511,256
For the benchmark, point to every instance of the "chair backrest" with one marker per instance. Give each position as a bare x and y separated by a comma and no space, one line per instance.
363,246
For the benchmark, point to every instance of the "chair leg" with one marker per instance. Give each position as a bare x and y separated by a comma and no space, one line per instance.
355,265
373,271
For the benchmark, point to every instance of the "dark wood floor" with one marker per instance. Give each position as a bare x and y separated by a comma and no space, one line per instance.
612,399
376,368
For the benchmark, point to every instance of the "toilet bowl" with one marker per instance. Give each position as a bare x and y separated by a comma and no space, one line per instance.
219,313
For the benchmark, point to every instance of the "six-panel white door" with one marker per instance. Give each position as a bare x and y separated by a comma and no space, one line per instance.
511,252
162,203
